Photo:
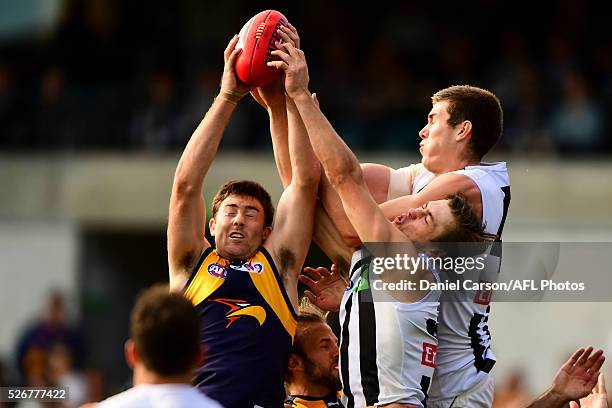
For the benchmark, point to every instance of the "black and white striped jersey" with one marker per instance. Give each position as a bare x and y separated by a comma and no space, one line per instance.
387,348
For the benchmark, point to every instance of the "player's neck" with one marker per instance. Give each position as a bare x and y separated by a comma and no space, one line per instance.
244,258
455,164
305,388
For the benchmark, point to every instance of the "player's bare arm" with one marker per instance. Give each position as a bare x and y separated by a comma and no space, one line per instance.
376,177
339,163
187,214
294,220
440,188
272,98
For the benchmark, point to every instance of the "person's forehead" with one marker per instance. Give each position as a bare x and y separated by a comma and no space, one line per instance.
439,108
317,332
437,204
241,201
440,210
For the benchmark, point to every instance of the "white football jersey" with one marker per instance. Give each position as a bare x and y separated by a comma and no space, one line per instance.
387,348
464,355
160,395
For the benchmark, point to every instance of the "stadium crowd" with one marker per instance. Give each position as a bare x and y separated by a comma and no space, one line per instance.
115,75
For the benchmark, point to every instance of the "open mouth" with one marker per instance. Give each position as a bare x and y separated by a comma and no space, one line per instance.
400,219
236,235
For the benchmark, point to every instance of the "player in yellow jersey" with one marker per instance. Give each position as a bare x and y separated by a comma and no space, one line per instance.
246,288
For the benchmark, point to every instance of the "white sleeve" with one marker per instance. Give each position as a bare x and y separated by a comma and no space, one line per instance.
400,181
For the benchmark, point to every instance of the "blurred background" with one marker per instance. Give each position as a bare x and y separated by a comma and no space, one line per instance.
98,98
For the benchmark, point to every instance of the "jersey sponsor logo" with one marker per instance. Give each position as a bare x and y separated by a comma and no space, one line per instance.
239,308
251,267
483,297
217,270
428,356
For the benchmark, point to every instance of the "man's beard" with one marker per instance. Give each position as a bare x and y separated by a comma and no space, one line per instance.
326,379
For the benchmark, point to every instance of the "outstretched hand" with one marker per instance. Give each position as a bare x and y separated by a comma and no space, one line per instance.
325,288
231,87
598,398
273,95
293,63
577,377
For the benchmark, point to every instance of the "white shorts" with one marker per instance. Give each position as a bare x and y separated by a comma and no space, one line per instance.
479,396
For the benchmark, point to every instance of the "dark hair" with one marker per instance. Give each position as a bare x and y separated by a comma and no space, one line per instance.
467,227
166,330
245,188
304,318
479,106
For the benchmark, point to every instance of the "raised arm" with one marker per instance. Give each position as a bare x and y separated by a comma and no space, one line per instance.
376,177
272,98
339,163
187,214
294,220
440,188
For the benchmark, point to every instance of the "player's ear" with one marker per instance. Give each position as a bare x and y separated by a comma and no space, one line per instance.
295,363
211,226
131,355
465,131
266,232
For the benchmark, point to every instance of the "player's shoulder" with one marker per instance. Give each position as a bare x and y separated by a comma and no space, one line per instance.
487,168
178,395
458,180
130,397
413,170
495,173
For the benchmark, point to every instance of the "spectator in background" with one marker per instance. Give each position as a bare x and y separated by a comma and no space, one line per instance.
61,373
577,122
518,83
157,125
7,103
164,351
55,122
198,101
38,340
513,394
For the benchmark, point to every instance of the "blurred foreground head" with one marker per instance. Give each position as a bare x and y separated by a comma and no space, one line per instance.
164,333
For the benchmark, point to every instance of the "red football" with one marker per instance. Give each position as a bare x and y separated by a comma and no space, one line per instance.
257,39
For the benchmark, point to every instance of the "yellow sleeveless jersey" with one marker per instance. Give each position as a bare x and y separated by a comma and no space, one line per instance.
247,328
